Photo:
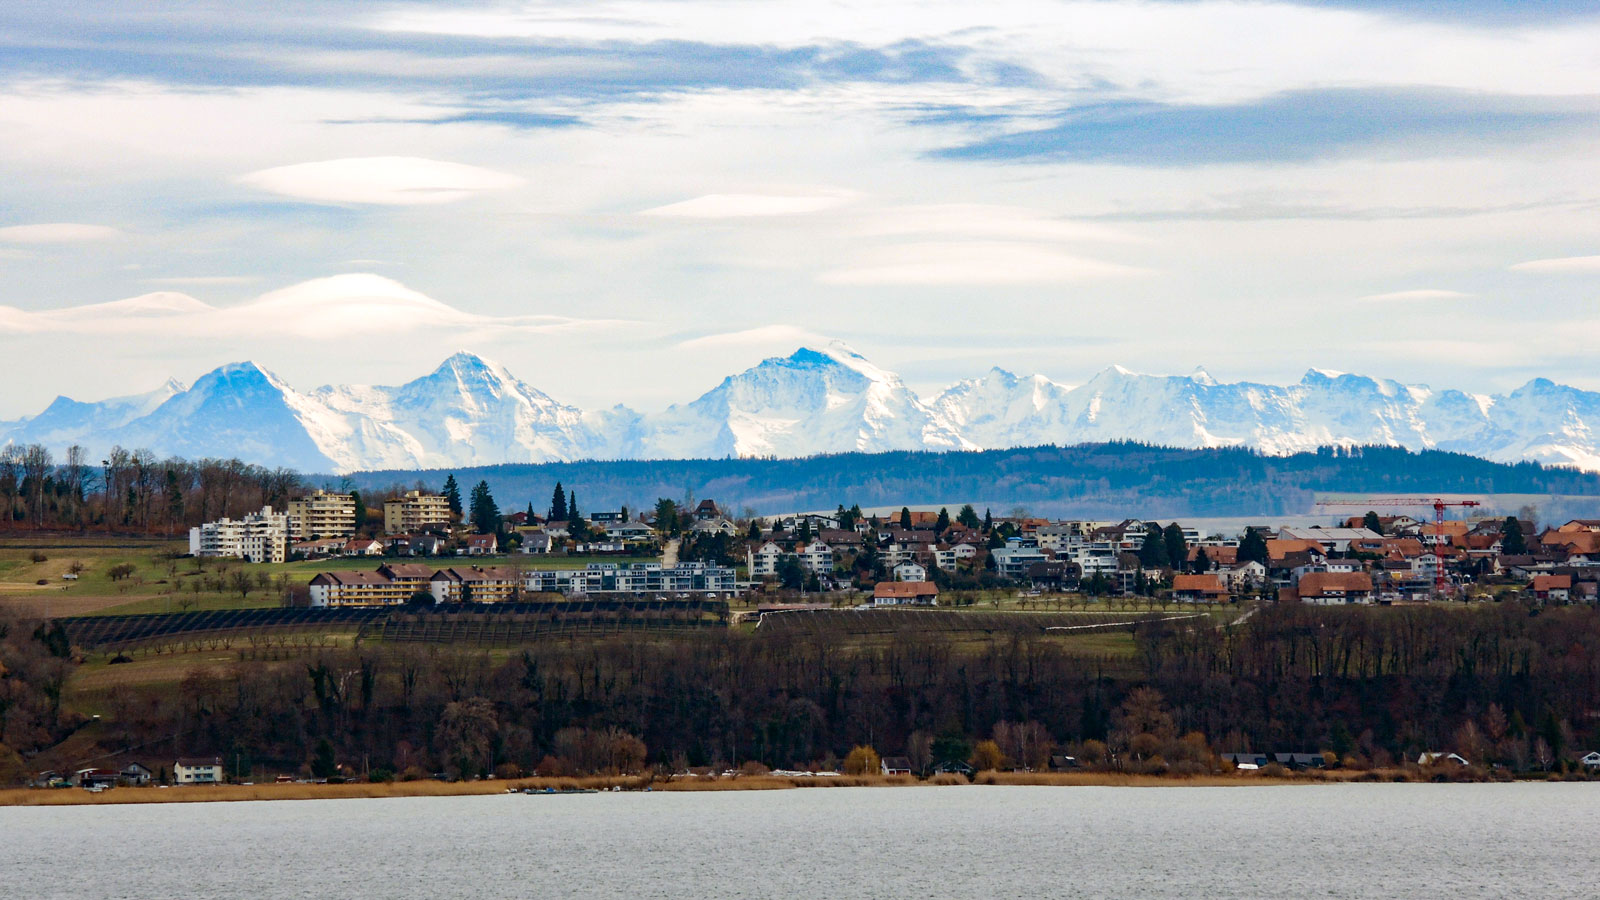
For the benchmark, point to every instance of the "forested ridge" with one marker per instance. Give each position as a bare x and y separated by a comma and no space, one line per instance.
1499,683
1111,480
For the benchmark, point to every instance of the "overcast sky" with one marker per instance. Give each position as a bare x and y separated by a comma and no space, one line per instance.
625,201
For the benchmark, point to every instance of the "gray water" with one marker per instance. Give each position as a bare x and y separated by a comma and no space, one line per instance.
1338,841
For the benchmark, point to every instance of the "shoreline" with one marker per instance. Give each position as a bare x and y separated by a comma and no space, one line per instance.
235,793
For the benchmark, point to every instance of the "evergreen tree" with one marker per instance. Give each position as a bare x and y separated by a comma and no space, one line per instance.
755,531
943,524
1177,547
803,532
483,513
1202,562
529,513
361,510
1371,523
452,493
572,507
968,517
558,505
905,517
1253,547
1153,553
667,516
1512,541
988,520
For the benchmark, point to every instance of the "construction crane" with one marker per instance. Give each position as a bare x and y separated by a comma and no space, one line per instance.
1441,582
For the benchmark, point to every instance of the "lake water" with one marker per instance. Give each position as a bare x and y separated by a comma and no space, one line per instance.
1343,841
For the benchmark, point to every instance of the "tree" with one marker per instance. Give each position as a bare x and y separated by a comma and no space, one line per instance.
1253,547
988,520
862,760
466,735
483,513
1371,523
968,517
558,504
1177,546
803,532
1202,562
1512,540
791,574
421,598
905,517
361,510
1153,553
987,756
452,493
572,507
667,516
323,764
755,531
943,523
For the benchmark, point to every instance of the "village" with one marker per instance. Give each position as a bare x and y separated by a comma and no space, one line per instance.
426,549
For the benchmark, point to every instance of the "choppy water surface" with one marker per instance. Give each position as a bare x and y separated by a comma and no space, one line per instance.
1346,841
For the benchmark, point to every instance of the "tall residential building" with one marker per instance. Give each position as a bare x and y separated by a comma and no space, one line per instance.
257,537
322,514
414,511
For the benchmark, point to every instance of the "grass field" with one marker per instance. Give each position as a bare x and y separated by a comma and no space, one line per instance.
160,582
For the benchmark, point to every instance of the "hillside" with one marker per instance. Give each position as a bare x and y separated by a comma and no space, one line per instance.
1092,480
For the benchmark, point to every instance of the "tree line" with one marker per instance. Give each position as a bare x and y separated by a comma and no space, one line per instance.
1498,683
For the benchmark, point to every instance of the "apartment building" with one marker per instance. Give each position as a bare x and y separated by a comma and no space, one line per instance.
322,514
476,584
359,589
635,578
415,511
257,537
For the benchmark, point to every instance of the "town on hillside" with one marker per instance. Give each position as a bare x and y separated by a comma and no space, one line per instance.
432,548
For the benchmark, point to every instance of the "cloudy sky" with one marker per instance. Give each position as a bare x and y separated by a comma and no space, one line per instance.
625,201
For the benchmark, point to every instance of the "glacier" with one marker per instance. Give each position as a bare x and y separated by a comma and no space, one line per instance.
471,411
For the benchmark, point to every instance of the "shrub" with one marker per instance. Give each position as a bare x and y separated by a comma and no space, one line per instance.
508,771
38,556
862,760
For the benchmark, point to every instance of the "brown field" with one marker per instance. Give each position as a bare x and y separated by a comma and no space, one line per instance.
237,792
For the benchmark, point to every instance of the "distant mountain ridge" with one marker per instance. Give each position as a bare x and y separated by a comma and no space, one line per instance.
473,412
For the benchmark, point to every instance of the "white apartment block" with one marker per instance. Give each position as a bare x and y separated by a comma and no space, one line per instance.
322,514
257,537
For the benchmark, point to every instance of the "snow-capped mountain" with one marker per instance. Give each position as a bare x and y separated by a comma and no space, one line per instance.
470,411
825,401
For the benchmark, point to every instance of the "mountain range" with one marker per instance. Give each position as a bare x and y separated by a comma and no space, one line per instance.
472,412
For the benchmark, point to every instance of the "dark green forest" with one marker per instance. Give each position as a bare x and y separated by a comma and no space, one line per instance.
1110,480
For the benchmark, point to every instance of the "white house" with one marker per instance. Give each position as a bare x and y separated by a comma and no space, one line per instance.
1434,758
1244,576
1591,760
764,562
816,557
910,571
198,770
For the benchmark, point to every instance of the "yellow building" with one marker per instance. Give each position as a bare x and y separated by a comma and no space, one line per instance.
415,511
322,514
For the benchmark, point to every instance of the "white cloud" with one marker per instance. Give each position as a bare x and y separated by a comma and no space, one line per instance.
202,280
783,335
972,262
979,220
1560,265
327,309
740,206
1419,294
380,180
57,233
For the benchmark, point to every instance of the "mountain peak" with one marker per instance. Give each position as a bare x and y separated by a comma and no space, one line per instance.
1201,376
